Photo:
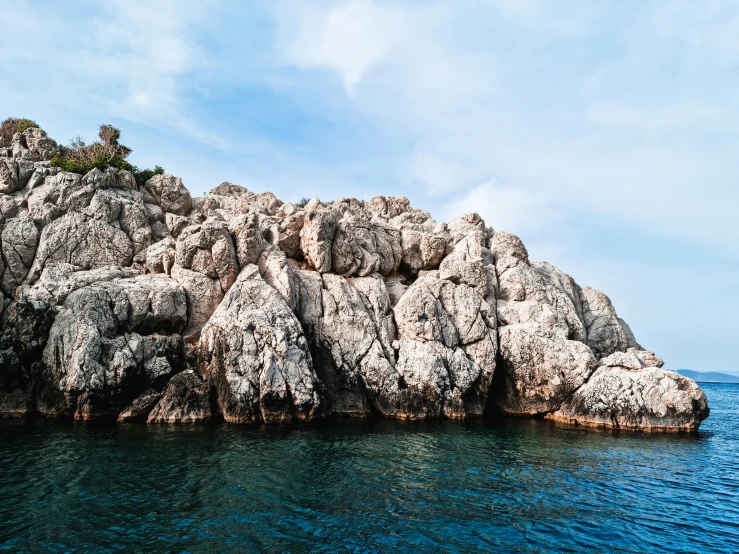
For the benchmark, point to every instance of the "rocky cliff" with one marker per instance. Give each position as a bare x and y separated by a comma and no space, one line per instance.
145,304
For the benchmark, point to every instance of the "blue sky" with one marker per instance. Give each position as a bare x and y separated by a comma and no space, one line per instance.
603,133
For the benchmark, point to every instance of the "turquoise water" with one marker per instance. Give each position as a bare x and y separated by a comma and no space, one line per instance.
371,486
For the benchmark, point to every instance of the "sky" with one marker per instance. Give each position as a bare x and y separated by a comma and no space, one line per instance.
604,134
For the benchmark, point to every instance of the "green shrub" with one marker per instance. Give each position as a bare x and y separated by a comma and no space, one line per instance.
107,151
101,161
145,174
13,125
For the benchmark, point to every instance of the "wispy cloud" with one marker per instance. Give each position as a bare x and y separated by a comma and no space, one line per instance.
348,38
127,59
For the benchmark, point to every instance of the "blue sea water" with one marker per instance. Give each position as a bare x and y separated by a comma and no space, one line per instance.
371,486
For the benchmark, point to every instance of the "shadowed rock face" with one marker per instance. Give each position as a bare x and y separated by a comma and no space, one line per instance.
146,304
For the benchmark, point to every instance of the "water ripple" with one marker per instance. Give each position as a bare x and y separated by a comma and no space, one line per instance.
371,486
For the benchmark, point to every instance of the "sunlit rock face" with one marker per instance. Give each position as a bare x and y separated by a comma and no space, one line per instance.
142,303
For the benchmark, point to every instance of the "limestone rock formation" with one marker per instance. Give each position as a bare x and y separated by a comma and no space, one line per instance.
108,340
140,409
254,353
543,354
143,303
630,391
185,400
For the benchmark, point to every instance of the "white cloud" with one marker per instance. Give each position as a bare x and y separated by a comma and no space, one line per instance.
126,59
710,27
349,38
507,207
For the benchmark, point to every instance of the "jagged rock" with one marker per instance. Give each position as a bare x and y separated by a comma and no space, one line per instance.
264,203
349,326
58,281
83,242
644,399
423,242
203,297
541,333
25,327
248,237
168,191
185,400
390,206
447,347
317,237
14,174
176,223
160,256
290,312
208,249
20,238
362,247
254,353
508,251
287,230
469,224
275,269
109,341
537,373
229,189
606,332
33,144
141,407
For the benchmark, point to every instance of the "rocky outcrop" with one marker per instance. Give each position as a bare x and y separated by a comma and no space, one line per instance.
140,409
254,353
631,391
185,400
110,340
542,334
142,303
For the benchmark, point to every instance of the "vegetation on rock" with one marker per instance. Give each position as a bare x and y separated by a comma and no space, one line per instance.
14,125
107,151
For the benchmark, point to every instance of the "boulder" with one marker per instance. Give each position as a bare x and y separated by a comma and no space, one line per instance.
447,348
208,249
606,332
141,407
83,242
317,237
543,358
33,144
185,400
20,238
109,342
350,330
169,193
537,373
254,353
636,399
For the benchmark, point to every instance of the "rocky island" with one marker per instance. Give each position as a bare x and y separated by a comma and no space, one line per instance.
134,300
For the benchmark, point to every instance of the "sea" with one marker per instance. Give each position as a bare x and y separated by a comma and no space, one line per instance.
510,485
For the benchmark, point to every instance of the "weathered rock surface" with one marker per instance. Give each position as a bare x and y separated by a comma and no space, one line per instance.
146,304
255,355
109,341
447,331
627,393
140,409
543,356
185,400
